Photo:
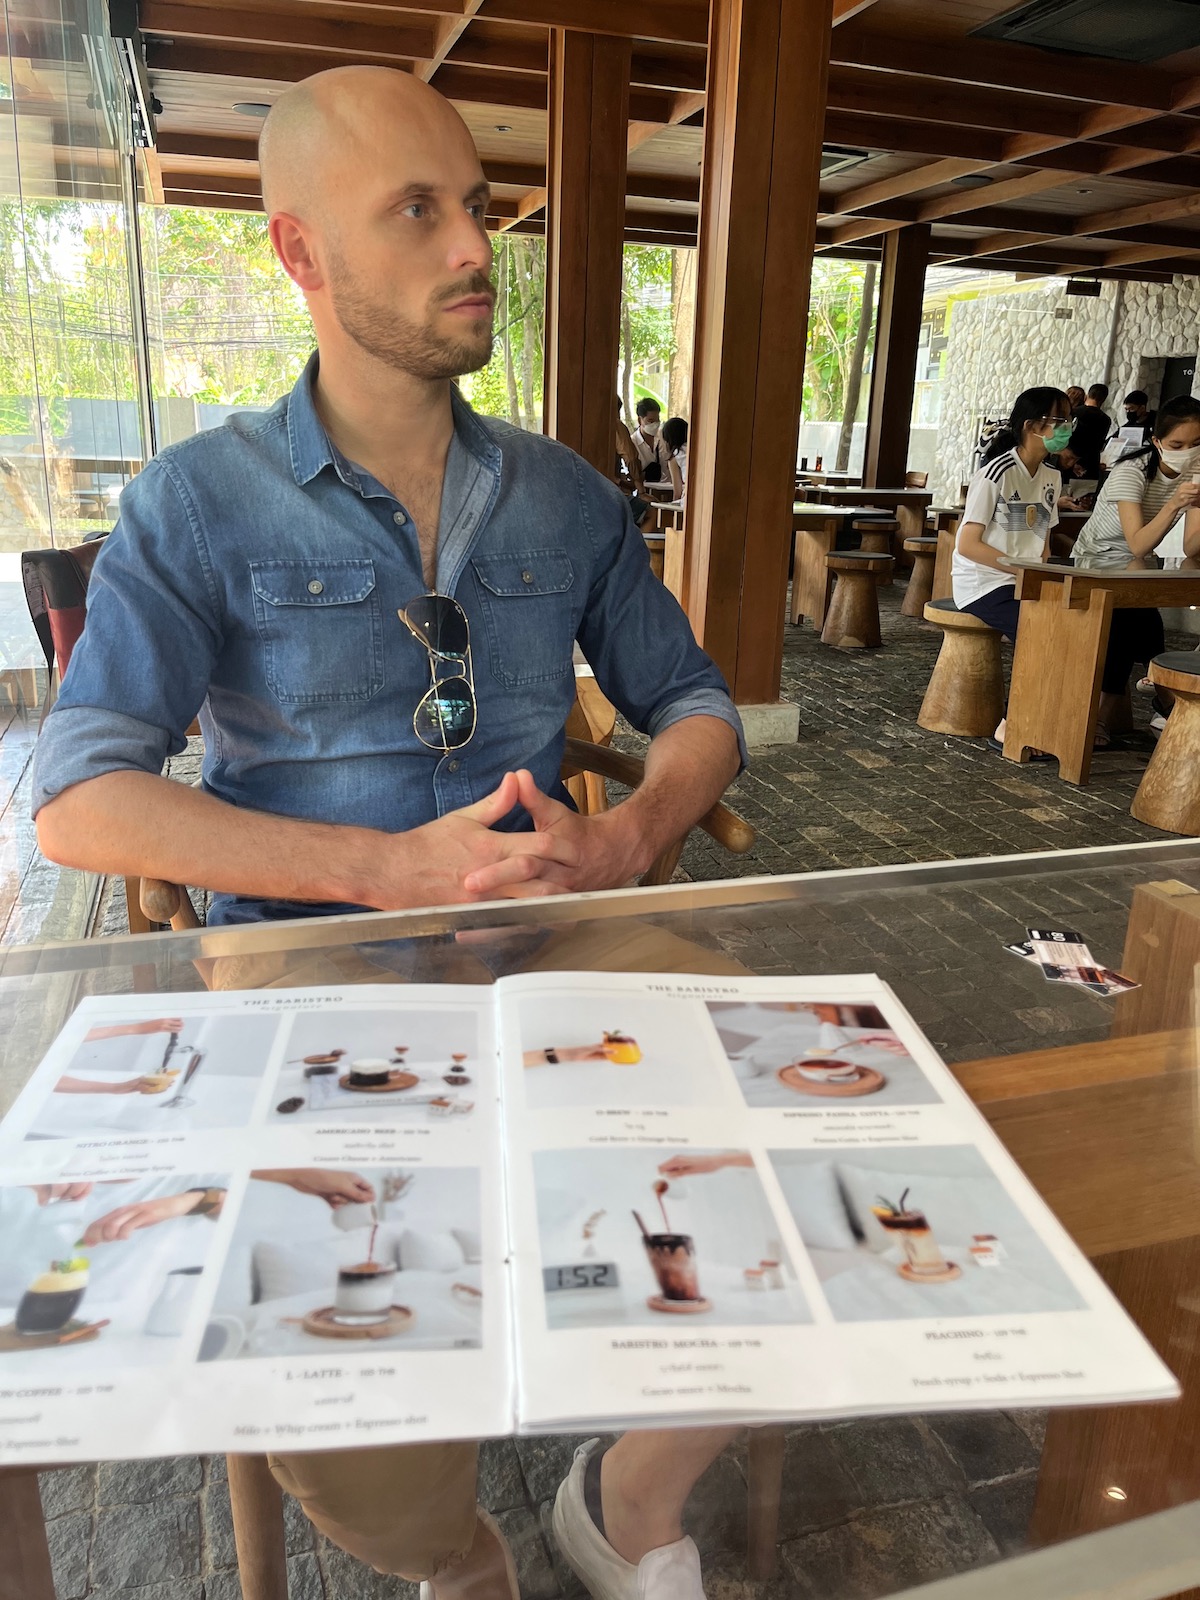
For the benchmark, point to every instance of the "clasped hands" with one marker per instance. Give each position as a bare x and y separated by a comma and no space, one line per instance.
468,860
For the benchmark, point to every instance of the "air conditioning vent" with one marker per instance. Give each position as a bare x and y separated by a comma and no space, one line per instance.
835,158
1123,30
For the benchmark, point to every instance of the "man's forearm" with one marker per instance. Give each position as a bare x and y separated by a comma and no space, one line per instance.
689,766
135,824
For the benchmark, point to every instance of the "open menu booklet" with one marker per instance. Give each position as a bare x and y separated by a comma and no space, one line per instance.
320,1218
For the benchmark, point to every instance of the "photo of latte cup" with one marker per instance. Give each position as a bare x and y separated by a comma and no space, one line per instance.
364,1294
370,1073
821,1068
909,1226
160,1082
53,1298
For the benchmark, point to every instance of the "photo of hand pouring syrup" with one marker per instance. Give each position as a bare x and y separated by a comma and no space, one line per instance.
923,1259
180,1064
672,1258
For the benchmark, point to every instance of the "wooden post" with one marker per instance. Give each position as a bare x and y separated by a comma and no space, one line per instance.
585,233
25,1573
901,291
764,121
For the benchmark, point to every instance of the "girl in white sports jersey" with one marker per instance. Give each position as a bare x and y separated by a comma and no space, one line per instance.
1012,504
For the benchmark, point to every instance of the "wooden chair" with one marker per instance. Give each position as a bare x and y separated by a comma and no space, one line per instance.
852,622
875,536
1168,796
919,593
966,691
916,480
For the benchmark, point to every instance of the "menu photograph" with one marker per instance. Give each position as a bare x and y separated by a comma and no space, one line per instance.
321,1218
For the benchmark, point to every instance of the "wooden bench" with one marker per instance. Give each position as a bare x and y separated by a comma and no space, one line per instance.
966,690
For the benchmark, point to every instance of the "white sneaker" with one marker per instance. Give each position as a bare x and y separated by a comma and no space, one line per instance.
1158,723
670,1573
1146,686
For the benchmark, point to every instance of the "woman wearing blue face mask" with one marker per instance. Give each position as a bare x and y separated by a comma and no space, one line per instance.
1012,504
1145,495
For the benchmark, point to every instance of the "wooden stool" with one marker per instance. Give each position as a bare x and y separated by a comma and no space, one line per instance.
875,539
920,583
853,619
1168,796
966,692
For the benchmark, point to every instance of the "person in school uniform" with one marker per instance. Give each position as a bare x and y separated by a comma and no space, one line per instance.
1012,504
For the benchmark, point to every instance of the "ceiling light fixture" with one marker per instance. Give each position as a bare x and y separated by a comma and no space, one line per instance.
972,180
252,108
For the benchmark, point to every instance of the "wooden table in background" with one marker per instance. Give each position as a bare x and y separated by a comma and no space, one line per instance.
910,505
1066,614
815,531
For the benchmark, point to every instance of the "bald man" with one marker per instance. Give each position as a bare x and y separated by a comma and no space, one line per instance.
370,597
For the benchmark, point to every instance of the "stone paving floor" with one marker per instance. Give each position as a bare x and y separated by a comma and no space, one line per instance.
869,1507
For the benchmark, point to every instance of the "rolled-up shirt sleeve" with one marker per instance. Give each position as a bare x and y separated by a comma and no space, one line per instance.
634,633
141,670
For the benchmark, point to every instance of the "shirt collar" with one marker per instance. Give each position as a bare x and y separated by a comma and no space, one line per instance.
312,449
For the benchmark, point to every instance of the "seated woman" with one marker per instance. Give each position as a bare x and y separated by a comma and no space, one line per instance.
1075,468
1144,497
675,437
1012,504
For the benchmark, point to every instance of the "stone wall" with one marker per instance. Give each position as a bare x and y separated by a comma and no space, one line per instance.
1001,344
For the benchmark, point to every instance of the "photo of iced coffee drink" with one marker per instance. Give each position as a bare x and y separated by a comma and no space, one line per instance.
364,1293
621,1049
53,1298
910,1228
672,1258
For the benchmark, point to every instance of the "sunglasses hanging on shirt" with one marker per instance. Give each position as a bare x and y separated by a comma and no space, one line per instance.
446,714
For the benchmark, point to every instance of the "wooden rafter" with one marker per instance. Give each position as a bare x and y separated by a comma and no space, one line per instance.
669,21
244,26
449,32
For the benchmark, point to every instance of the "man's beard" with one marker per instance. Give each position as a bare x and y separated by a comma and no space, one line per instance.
411,347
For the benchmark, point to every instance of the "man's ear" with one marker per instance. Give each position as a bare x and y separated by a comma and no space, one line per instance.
292,243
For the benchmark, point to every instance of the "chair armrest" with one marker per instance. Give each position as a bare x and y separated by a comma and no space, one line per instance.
167,903
732,833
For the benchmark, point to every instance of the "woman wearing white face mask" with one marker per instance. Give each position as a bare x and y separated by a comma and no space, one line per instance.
647,441
1143,498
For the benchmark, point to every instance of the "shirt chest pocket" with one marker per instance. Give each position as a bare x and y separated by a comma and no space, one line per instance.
529,613
321,629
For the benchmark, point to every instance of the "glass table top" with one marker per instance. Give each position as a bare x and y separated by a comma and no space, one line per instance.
1096,1098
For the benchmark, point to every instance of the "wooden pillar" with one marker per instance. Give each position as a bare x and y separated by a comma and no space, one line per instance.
764,120
585,232
902,289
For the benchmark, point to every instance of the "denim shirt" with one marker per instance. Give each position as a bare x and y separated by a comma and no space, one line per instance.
254,577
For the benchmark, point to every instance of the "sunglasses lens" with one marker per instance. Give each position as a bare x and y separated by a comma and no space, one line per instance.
440,622
445,718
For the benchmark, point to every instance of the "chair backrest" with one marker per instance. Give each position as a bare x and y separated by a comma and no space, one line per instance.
56,585
916,480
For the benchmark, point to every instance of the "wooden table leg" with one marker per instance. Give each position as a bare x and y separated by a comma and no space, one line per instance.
25,1571
764,1491
256,1501
1054,695
810,580
942,585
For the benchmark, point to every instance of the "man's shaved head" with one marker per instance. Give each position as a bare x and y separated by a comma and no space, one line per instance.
376,197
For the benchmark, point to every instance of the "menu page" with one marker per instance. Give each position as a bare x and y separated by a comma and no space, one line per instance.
255,1221
768,1197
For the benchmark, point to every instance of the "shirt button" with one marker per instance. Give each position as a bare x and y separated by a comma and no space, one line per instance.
452,767
527,577
399,518
316,586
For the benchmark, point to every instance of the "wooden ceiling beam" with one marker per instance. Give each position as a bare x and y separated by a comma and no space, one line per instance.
995,64
1129,255
846,10
1055,269
297,30
953,205
666,21
903,183
1184,205
860,90
449,33
209,202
